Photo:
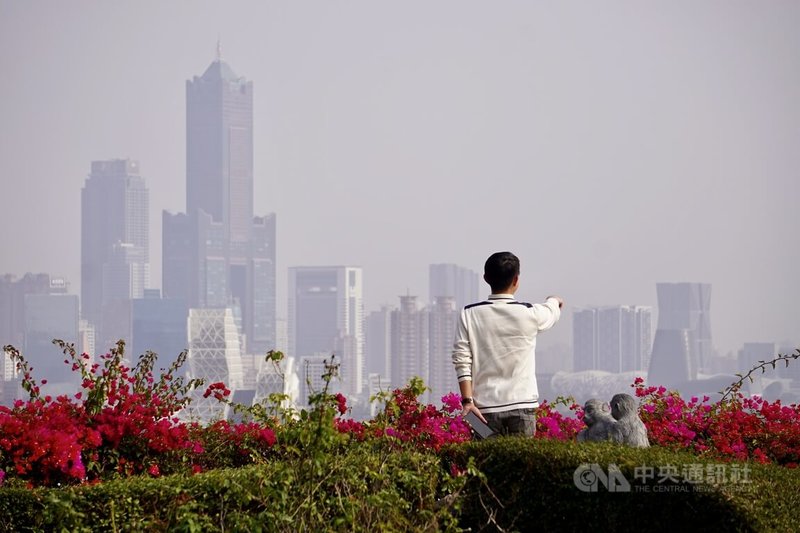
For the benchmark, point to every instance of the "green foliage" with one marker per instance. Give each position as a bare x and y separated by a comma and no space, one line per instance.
327,473
511,484
318,478
529,484
367,489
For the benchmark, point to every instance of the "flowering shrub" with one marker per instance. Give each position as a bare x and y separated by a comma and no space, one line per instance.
552,424
410,422
123,423
45,439
739,428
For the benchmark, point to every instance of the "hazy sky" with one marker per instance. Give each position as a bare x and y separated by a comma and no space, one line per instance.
611,145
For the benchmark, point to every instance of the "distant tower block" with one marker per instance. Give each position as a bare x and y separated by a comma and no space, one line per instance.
409,337
454,281
115,247
326,316
671,362
613,338
682,344
218,254
442,316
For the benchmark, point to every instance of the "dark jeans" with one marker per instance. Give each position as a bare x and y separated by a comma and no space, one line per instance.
515,422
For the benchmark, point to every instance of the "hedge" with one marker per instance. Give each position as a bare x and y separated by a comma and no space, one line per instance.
529,485
521,485
366,489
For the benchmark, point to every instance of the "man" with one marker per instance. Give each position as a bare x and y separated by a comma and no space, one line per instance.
494,350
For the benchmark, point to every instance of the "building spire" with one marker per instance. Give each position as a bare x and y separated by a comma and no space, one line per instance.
219,48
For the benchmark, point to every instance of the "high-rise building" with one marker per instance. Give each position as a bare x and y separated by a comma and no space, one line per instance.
378,343
409,342
584,338
441,372
639,358
34,310
611,338
115,246
459,283
260,299
218,254
215,356
219,149
326,316
12,304
47,317
682,345
159,325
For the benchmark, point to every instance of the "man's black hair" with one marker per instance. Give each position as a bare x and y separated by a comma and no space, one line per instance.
500,270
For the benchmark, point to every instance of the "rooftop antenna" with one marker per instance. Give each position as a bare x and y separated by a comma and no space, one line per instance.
219,48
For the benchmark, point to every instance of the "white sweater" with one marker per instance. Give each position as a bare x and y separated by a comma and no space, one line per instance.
495,348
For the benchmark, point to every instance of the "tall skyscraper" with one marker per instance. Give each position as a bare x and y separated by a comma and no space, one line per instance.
326,316
115,246
682,344
453,281
409,342
441,372
378,343
218,255
611,338
219,149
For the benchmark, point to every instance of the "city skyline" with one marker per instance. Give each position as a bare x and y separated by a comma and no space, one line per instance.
655,154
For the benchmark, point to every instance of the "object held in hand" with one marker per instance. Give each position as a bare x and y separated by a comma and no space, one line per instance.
480,429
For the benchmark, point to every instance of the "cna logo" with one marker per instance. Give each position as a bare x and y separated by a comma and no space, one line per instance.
589,477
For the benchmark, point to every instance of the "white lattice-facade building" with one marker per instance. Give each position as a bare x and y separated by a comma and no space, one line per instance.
215,356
